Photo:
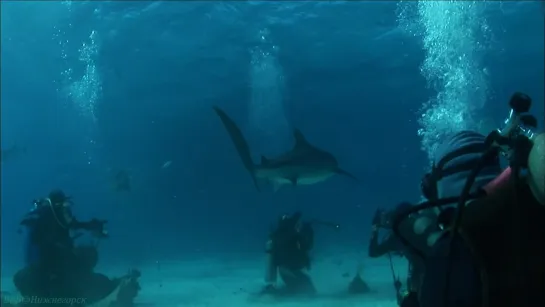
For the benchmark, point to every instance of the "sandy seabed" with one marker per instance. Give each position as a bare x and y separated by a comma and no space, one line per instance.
217,282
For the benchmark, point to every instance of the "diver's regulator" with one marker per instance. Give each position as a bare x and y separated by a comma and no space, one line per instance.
517,127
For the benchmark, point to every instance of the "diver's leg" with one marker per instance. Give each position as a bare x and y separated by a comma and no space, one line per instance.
20,280
271,271
452,261
296,281
101,288
29,282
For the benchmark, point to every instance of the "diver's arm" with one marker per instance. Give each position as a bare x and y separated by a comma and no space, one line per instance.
271,268
380,249
94,225
489,208
481,212
536,168
78,225
29,221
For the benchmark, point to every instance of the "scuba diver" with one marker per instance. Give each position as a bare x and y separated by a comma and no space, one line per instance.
454,160
491,252
288,255
56,268
417,228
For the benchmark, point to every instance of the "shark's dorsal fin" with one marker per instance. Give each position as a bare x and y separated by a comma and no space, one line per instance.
264,160
300,140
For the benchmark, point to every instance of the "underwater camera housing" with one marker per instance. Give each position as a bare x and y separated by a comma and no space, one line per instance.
515,141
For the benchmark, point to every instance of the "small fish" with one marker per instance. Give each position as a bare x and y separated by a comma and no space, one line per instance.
122,181
304,164
166,164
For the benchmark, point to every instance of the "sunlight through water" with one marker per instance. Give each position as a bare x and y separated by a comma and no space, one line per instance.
86,91
83,88
267,115
454,35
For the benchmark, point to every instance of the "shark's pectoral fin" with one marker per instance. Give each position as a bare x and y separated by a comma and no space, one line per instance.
264,160
276,186
345,173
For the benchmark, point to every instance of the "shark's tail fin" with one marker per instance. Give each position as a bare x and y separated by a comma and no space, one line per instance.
239,141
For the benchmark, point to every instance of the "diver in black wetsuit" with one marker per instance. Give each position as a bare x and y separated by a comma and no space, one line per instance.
495,257
414,231
55,267
288,255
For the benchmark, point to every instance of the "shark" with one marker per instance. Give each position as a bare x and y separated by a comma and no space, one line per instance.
11,153
304,164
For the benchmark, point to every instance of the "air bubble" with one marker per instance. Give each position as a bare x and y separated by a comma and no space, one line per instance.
452,33
266,111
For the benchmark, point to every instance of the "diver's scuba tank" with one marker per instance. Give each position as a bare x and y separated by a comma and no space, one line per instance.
32,250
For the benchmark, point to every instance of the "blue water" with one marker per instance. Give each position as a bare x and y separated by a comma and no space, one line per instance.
92,87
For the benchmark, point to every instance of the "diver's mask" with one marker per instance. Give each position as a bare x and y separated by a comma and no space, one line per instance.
61,210
384,219
287,221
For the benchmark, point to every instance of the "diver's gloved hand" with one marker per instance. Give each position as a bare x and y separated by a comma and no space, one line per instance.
377,218
134,274
97,228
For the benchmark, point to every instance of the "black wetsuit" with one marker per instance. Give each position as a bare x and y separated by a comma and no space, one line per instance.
54,266
391,244
498,255
49,243
289,254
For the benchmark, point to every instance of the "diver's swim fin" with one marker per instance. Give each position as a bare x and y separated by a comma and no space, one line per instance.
111,298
